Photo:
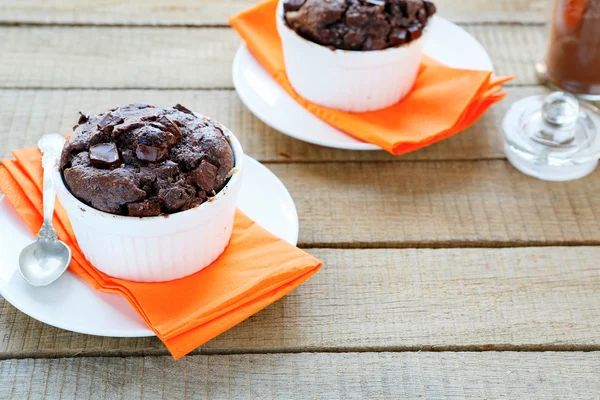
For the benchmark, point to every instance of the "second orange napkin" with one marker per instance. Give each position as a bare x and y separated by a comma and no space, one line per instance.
255,270
443,102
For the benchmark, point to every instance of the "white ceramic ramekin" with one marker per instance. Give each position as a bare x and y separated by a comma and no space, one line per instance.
156,249
349,80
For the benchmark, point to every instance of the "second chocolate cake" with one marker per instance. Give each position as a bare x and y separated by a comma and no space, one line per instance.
142,160
358,24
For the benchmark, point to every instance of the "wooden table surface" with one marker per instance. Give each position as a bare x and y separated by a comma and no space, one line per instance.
447,273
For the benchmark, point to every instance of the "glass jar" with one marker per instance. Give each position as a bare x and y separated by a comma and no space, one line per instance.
572,61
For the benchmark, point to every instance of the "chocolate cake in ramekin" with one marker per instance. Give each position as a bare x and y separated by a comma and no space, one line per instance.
150,191
353,55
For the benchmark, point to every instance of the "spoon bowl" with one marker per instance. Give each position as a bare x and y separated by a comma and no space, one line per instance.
46,259
43,261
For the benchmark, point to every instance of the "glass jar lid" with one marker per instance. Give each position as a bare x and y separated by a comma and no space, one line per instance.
552,137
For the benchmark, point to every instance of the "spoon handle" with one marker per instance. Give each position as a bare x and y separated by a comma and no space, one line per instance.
49,194
51,146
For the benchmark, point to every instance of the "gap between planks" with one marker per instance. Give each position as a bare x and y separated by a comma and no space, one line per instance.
477,244
158,352
42,24
526,86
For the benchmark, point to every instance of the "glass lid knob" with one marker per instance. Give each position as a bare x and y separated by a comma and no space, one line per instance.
560,109
560,113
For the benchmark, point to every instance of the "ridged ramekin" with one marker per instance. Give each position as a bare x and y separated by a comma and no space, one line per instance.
349,80
156,249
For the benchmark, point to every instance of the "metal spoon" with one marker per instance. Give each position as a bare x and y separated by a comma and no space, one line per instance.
44,261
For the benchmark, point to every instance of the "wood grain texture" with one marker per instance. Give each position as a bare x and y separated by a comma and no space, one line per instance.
204,12
457,299
96,57
25,115
514,49
109,57
344,376
485,203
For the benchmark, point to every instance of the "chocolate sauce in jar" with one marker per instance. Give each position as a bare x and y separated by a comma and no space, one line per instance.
573,57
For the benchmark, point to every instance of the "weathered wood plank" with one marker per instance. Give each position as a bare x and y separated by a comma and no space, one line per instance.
25,115
485,203
457,299
96,57
109,57
204,12
488,375
514,49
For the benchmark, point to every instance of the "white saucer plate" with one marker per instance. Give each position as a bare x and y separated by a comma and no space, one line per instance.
71,304
447,43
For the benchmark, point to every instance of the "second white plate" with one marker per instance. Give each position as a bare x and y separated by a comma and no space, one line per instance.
70,303
447,43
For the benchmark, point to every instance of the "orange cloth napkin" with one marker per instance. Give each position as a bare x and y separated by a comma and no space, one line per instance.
255,270
443,102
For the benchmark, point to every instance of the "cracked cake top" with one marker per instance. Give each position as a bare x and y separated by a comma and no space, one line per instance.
142,160
358,24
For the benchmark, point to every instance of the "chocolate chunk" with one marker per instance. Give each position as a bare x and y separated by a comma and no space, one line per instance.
292,5
177,196
171,128
126,127
397,16
430,7
204,176
167,170
104,155
153,134
415,30
109,121
398,36
353,40
355,18
413,7
146,208
374,43
403,8
146,179
152,154
422,16
182,109
137,106
128,157
82,118
217,150
196,202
